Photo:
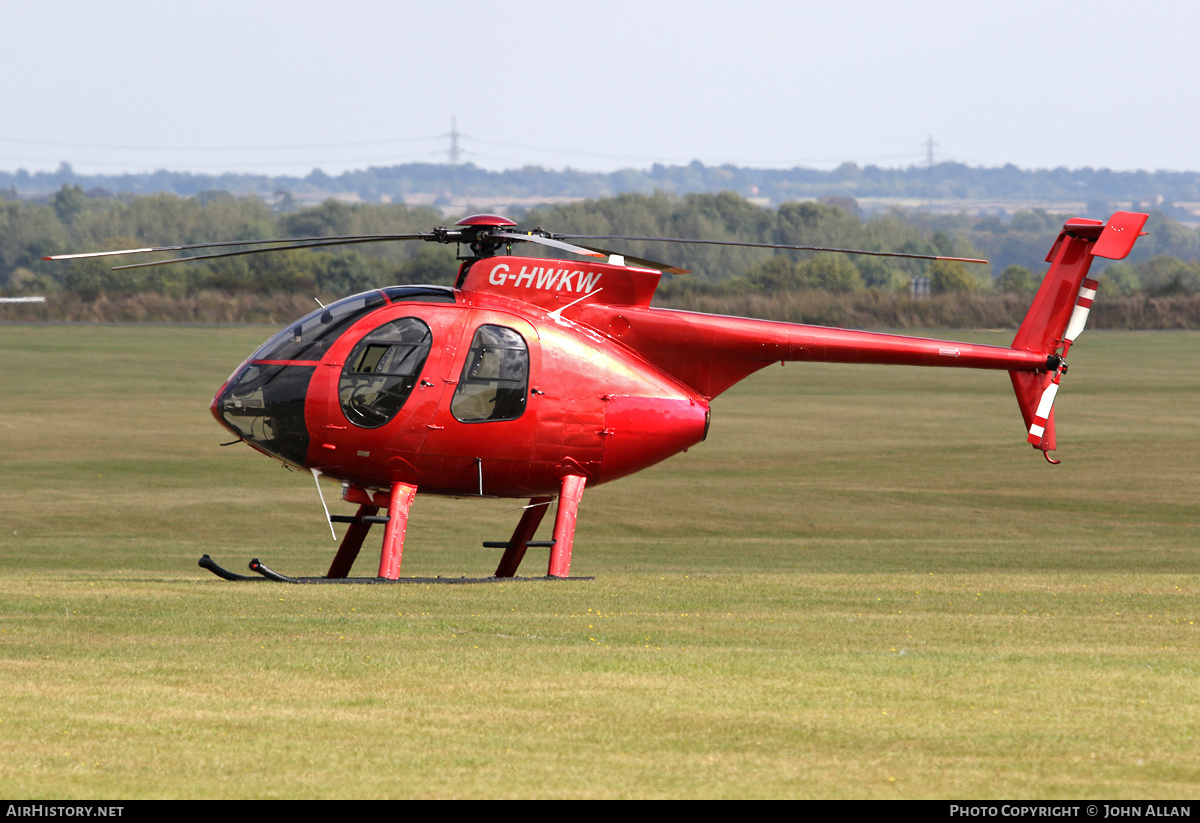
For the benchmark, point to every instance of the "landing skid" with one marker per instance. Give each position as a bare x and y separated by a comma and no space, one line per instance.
398,501
266,574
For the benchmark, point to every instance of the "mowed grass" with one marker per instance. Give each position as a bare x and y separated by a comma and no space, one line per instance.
864,584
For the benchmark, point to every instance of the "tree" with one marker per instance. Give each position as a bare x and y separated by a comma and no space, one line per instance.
947,276
1121,278
1016,280
876,273
69,203
344,274
776,274
431,265
330,218
828,272
1164,275
831,272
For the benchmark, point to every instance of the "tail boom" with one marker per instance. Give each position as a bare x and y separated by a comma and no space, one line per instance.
710,353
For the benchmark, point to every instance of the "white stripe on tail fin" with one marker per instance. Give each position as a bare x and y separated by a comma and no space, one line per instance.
1042,415
1083,306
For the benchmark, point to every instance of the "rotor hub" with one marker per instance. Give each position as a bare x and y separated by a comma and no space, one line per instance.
476,231
494,221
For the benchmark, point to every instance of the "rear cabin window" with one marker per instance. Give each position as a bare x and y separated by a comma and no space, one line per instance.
382,370
495,378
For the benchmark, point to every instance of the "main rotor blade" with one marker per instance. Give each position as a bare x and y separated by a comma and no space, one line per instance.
666,268
767,246
589,251
340,242
223,243
547,241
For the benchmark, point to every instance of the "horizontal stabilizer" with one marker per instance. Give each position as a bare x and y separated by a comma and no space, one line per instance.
1118,237
1063,301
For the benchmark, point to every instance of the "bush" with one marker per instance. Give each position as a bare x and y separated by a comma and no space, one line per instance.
1016,280
831,272
826,272
949,276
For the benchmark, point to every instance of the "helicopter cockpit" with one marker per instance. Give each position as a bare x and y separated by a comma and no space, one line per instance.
264,401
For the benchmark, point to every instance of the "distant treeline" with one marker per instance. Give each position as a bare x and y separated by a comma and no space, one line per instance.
943,181
1164,266
859,310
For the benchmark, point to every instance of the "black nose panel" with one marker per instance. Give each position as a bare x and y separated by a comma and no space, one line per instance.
265,405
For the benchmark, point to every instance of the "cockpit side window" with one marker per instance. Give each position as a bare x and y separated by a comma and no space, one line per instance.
312,335
495,379
382,370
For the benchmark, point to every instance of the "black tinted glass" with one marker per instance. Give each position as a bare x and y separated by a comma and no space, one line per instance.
495,378
312,335
382,370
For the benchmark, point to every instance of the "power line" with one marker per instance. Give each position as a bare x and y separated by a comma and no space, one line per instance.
55,144
929,147
454,153
454,135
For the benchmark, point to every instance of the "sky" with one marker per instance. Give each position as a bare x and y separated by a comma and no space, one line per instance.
285,87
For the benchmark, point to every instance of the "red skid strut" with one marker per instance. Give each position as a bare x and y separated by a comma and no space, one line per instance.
526,529
393,535
347,552
564,525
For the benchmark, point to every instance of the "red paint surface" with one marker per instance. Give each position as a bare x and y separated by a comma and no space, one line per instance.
564,525
393,536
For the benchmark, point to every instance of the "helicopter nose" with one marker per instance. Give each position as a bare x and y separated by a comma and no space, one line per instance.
263,404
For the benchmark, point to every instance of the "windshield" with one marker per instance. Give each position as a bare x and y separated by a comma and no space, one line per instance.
264,404
312,335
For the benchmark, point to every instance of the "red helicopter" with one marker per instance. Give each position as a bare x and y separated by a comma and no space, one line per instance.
535,377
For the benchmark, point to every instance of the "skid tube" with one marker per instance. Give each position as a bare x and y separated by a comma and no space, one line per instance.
263,573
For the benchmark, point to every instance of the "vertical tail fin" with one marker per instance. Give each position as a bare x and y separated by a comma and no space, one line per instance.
1060,311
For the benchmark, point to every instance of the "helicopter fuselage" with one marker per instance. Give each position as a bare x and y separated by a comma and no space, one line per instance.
458,393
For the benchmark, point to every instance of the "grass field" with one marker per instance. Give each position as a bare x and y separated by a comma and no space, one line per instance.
864,584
